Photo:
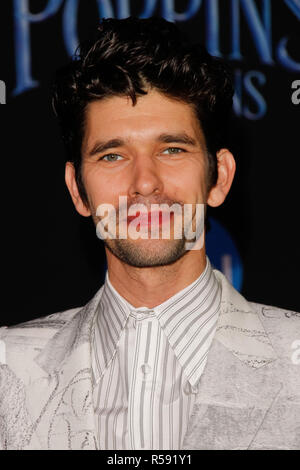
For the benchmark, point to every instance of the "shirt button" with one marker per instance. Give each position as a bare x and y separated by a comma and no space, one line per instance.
146,369
139,316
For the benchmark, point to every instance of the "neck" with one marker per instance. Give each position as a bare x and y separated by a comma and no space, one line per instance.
149,287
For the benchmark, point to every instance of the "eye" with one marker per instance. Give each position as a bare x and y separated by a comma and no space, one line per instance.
111,157
174,150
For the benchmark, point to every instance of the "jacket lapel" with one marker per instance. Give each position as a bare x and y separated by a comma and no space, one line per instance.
237,387
65,417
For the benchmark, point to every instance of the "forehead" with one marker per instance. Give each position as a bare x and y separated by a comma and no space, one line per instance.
152,114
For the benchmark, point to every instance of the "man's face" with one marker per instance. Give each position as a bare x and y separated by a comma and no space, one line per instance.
159,156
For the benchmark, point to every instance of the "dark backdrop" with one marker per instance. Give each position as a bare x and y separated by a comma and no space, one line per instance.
51,258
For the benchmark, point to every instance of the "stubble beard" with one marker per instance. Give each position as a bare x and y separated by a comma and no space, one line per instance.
147,253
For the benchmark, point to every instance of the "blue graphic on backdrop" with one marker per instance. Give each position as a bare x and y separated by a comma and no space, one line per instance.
259,22
223,253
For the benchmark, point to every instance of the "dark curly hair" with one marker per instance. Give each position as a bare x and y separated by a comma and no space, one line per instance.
127,57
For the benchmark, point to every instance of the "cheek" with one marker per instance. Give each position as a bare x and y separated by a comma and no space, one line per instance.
102,188
95,186
191,188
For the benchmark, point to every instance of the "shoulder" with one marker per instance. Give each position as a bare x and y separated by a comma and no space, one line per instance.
44,328
281,325
276,319
278,322
34,333
20,345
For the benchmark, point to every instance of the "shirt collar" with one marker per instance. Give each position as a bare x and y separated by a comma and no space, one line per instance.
188,319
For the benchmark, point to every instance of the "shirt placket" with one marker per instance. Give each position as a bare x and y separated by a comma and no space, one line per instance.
142,385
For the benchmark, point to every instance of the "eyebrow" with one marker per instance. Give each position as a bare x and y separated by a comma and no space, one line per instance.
179,138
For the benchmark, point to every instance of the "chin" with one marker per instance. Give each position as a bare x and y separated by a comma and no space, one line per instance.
147,253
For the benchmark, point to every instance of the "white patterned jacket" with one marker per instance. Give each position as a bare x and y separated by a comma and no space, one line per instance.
249,392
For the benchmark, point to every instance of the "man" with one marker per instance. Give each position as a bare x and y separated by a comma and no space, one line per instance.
167,354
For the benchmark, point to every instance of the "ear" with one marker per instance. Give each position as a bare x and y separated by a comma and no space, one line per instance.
73,190
226,171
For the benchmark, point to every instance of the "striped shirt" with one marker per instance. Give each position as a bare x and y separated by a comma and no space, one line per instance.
147,363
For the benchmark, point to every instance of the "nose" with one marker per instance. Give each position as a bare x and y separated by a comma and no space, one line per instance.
145,178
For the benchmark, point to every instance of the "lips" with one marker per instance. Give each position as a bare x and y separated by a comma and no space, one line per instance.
148,218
